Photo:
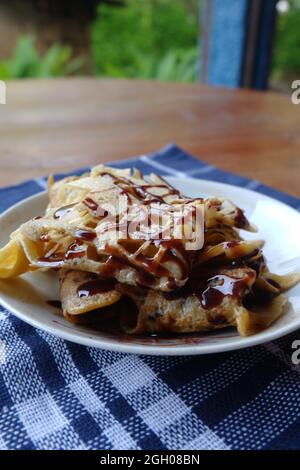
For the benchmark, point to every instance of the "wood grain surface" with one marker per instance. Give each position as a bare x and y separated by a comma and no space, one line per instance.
62,124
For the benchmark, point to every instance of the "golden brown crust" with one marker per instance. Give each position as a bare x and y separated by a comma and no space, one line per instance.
72,303
224,281
186,313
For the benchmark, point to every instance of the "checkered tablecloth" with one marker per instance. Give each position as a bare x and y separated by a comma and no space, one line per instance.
59,395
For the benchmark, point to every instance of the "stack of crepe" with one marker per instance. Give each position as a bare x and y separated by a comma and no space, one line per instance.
149,282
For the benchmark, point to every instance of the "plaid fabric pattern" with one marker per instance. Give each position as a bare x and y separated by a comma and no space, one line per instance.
59,395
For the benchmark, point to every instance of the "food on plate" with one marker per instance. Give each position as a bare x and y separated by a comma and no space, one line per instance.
139,253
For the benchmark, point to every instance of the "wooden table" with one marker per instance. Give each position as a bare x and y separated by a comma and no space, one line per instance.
59,125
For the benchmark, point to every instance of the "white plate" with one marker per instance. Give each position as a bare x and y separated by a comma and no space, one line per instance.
278,224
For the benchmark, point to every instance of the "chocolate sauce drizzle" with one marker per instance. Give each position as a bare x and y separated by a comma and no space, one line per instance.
75,250
212,291
147,268
95,286
240,219
85,235
91,204
142,191
54,304
219,287
62,211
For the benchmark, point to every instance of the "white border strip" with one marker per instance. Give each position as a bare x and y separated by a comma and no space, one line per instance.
161,166
41,182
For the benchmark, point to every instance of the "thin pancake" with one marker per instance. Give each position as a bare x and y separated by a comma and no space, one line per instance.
82,292
213,303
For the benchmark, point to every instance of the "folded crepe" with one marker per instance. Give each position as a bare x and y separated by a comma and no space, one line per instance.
214,297
86,226
96,232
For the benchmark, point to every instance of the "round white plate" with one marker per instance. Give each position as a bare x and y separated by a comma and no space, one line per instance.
278,224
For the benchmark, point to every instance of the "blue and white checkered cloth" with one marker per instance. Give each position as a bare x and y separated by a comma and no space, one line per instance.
59,395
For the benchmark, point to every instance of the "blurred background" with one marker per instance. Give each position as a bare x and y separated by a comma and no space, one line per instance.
233,43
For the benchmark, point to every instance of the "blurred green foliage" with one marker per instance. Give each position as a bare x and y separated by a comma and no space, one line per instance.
147,39
27,62
286,60
154,39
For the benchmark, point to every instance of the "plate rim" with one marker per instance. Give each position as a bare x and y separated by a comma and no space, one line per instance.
165,350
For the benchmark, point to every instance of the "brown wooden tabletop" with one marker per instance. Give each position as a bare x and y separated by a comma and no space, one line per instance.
59,125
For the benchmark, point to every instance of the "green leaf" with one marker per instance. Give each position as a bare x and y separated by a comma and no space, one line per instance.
27,62
286,59
166,68
25,59
140,39
4,71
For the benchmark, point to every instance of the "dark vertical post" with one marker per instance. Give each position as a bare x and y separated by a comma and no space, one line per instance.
265,43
